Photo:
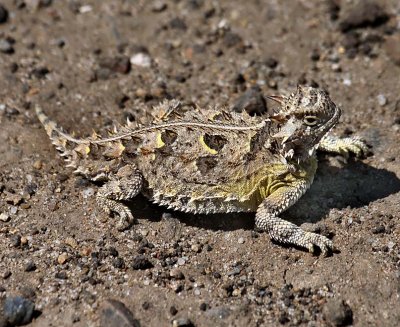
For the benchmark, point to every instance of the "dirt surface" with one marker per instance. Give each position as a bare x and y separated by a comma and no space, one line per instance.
90,63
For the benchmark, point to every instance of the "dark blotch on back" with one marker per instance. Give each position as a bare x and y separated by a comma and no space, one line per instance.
205,164
215,142
168,137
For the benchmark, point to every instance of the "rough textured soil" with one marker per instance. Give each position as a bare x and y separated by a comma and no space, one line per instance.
90,63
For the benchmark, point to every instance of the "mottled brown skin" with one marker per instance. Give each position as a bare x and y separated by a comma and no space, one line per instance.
210,161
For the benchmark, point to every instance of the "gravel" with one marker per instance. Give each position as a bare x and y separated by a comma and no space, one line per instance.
81,67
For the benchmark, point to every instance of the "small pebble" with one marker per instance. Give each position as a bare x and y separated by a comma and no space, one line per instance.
85,9
182,322
140,262
181,261
6,274
13,198
61,275
337,313
159,6
118,263
235,271
114,313
347,81
178,23
141,59
85,252
38,164
196,248
113,251
315,55
6,46
62,258
203,306
30,266
231,39
336,67
18,310
15,241
177,274
173,311
40,72
119,64
271,62
382,101
88,193
361,14
4,217
146,305
177,287
217,275
379,229
71,242
241,240
3,14
251,101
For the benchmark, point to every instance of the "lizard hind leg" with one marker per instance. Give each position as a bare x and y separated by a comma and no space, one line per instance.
124,185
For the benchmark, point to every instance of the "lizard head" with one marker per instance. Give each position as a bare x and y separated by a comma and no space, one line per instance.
305,117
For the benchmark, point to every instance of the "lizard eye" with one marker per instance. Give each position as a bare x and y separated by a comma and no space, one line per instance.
310,120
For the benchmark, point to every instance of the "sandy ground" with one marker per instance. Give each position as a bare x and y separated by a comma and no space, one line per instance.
90,63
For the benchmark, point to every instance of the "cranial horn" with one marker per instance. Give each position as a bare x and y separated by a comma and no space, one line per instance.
279,117
277,98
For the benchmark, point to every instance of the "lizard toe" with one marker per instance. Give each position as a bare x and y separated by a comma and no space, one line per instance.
322,242
125,220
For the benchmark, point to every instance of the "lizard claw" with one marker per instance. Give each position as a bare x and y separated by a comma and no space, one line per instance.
125,220
311,240
356,145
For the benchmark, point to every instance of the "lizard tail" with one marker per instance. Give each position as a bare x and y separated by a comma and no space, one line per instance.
64,143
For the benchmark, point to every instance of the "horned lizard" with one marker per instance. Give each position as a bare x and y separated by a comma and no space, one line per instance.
214,161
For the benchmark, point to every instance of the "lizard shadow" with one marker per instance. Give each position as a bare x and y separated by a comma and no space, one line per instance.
354,185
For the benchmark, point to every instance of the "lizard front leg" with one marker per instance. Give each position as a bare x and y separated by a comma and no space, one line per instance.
124,185
284,231
343,146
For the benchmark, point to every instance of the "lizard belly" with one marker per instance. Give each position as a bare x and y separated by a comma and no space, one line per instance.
238,195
